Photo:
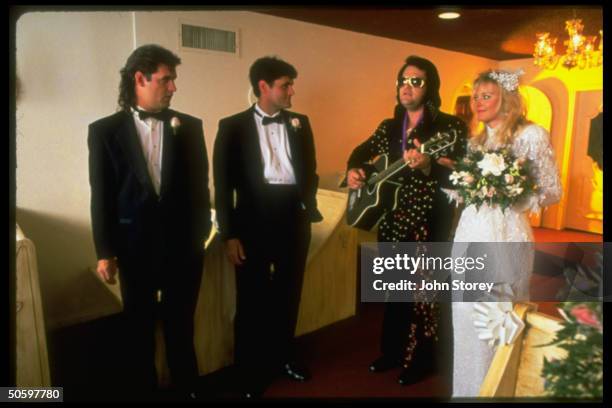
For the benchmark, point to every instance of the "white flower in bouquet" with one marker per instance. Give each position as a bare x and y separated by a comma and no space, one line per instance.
455,177
515,190
462,178
492,163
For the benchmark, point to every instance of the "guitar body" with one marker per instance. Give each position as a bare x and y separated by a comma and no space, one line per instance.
368,205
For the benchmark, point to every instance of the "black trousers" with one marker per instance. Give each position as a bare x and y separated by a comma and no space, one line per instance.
407,327
396,328
179,280
269,284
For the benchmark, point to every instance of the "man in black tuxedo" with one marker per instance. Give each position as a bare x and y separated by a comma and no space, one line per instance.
265,198
150,211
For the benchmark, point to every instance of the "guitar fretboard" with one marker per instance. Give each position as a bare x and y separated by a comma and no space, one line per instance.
395,166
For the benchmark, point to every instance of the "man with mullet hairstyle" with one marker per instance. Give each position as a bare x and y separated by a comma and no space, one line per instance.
150,213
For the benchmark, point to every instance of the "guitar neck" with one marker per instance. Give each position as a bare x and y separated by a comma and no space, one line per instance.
395,166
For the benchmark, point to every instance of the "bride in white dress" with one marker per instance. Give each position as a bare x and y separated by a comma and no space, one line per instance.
497,103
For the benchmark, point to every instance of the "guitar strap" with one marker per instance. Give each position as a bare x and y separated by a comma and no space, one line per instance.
405,129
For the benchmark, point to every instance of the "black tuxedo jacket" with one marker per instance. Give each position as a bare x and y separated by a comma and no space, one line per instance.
238,169
129,219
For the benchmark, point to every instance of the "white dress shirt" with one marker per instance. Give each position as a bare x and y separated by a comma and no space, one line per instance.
275,150
150,133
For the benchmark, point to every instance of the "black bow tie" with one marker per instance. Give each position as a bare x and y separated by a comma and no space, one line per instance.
161,116
269,119
266,120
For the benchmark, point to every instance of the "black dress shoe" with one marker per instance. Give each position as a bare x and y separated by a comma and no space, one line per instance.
384,363
413,375
296,372
179,395
253,390
251,395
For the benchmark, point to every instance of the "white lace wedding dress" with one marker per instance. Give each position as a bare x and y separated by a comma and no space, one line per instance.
472,356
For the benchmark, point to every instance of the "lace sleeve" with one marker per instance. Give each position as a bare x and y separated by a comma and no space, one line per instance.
534,144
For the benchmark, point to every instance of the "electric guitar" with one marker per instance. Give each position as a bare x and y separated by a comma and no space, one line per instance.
368,204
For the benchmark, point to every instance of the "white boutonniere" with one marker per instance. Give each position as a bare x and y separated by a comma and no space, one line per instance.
295,123
174,124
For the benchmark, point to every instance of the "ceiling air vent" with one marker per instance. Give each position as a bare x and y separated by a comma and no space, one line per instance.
205,38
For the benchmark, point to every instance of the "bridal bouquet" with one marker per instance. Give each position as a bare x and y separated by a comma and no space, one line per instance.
494,177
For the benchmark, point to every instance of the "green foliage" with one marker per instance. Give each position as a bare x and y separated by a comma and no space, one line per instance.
580,374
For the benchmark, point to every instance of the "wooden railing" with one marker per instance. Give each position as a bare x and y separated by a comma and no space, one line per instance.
515,369
31,338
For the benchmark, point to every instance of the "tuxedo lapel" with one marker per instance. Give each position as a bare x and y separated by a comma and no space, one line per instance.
128,139
293,136
295,146
252,149
168,147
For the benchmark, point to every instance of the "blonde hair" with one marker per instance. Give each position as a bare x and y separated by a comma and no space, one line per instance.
512,109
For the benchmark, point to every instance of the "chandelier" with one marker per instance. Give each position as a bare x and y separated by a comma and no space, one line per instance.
580,50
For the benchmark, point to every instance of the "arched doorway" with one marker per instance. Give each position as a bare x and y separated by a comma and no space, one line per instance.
585,189
539,111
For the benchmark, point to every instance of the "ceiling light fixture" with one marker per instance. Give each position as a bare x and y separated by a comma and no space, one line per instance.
451,15
580,52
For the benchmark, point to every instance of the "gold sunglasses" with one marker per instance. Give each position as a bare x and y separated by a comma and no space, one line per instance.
414,82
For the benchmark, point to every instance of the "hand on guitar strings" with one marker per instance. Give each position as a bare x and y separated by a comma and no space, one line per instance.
416,159
355,178
413,158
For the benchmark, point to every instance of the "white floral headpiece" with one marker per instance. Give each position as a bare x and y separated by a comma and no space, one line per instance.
508,80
